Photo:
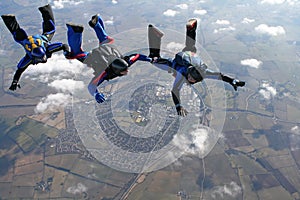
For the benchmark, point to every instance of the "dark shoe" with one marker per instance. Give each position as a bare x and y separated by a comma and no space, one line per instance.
94,20
76,28
191,24
237,83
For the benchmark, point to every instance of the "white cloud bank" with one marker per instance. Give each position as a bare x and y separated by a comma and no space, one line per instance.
247,20
67,85
251,62
295,130
182,6
192,143
53,101
200,12
232,190
278,2
60,4
267,91
170,13
222,22
78,189
225,26
270,30
59,74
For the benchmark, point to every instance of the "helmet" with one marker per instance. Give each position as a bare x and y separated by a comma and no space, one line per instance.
195,73
118,65
38,52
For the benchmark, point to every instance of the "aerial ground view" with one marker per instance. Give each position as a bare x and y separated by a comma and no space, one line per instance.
57,142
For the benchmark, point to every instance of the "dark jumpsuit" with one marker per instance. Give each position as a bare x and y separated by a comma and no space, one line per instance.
75,42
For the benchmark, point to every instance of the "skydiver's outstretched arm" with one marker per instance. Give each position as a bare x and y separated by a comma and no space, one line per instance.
48,21
154,40
22,66
190,37
13,26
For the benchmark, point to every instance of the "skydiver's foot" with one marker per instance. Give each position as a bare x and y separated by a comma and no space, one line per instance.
157,32
94,20
108,40
9,17
237,83
76,28
191,24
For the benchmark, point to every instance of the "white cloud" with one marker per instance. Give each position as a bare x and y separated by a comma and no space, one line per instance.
251,62
195,142
59,4
267,91
222,22
173,46
229,28
170,13
270,30
182,6
295,130
57,66
110,21
67,85
53,101
78,189
272,2
247,20
232,190
277,2
59,73
114,1
200,12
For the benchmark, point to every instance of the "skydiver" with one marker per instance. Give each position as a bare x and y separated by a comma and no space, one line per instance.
38,47
187,67
106,61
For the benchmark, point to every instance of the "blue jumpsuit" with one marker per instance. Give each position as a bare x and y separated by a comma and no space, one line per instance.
34,41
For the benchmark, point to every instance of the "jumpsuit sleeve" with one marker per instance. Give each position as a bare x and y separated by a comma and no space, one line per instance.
22,66
177,85
135,57
95,82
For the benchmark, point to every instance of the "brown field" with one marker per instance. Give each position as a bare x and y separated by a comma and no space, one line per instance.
65,161
28,179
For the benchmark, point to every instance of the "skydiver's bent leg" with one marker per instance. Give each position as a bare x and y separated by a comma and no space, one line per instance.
13,26
190,38
74,34
97,24
233,82
48,21
154,40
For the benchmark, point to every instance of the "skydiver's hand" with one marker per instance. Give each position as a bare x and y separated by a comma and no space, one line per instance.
14,85
181,111
99,97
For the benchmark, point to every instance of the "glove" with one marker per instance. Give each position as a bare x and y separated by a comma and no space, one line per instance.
181,111
14,85
99,97
237,83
